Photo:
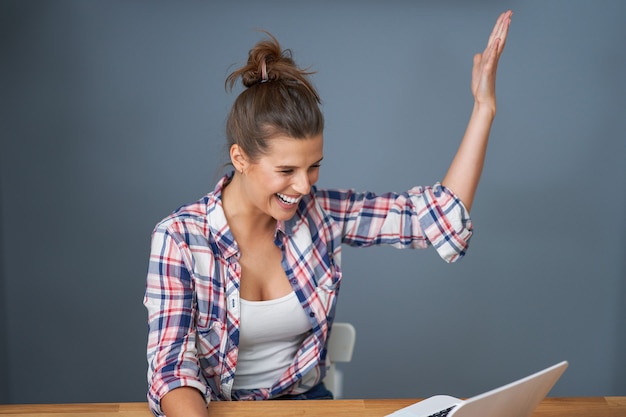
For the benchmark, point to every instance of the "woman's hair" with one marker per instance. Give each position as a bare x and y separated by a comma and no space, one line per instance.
278,99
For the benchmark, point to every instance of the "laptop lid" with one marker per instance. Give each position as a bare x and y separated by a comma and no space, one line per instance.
516,399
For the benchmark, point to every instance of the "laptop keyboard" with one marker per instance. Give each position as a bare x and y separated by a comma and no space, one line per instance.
442,413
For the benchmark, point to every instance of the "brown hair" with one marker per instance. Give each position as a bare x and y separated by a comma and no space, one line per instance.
279,99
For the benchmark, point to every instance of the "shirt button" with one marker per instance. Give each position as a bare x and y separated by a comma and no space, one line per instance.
294,281
311,314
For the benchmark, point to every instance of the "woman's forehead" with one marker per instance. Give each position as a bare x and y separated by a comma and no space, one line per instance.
285,148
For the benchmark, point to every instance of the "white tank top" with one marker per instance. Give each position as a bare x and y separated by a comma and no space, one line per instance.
270,334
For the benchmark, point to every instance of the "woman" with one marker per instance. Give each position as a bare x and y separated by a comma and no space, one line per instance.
242,284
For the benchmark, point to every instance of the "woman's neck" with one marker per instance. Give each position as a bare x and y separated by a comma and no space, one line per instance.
243,218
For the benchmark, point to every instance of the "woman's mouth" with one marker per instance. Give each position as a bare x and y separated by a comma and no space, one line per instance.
285,199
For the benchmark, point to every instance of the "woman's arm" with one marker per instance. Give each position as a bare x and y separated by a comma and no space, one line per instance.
170,302
184,402
464,172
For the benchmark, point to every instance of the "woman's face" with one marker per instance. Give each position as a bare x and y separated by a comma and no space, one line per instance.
275,183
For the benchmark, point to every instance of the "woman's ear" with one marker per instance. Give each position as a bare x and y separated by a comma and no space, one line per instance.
238,158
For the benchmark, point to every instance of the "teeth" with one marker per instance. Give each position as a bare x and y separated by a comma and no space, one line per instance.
287,199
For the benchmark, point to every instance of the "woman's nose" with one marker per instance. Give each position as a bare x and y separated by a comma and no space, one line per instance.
302,184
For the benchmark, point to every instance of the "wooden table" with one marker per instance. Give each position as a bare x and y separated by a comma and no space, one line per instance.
550,407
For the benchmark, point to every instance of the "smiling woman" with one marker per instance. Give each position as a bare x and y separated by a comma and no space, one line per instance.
242,285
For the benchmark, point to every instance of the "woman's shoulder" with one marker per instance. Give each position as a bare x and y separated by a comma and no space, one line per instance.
331,194
323,202
195,214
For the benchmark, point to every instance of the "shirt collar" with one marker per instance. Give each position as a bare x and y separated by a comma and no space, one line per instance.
218,226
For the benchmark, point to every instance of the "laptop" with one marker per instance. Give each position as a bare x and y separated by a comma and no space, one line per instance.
517,399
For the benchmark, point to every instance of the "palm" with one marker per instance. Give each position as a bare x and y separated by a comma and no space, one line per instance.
486,63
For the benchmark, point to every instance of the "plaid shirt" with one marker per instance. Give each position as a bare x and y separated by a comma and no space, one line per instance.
192,291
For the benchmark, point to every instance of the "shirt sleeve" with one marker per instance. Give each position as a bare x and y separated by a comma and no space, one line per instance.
418,218
170,301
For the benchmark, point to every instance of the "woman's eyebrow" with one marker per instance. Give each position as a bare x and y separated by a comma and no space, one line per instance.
294,166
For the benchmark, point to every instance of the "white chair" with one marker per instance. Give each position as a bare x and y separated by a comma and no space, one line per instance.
340,347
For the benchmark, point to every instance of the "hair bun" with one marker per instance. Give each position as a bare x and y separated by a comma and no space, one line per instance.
268,62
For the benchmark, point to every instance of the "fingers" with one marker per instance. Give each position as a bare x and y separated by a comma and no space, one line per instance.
501,30
497,28
477,58
486,63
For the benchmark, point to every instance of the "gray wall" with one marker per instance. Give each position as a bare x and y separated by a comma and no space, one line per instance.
113,113
4,369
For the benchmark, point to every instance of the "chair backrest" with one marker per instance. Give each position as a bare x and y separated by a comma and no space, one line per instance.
340,348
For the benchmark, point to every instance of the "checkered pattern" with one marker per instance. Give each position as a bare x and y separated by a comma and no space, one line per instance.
192,291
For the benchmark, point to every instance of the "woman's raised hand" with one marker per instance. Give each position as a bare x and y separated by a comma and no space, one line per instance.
486,63
464,172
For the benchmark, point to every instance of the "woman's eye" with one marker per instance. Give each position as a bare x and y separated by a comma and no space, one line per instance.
291,171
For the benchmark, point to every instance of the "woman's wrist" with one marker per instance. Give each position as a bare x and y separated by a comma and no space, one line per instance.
484,109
